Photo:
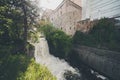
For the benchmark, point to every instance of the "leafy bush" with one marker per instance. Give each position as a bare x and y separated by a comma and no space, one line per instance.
103,31
46,29
59,43
11,65
36,72
81,38
21,67
103,35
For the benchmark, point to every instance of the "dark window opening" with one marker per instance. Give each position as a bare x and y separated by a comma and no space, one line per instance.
74,28
61,12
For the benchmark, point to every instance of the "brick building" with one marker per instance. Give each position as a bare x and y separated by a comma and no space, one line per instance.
46,15
72,15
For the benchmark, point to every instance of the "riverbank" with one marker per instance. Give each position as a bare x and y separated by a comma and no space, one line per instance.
104,35
87,72
21,67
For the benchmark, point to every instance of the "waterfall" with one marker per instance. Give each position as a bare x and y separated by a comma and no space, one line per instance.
55,65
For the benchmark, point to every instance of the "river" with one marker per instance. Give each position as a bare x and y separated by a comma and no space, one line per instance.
58,67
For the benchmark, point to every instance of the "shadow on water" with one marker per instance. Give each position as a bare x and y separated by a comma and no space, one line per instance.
86,72
58,67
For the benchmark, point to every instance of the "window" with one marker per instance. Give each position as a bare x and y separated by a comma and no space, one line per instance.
61,12
82,22
52,19
74,28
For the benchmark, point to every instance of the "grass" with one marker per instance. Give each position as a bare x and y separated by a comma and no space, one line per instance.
21,67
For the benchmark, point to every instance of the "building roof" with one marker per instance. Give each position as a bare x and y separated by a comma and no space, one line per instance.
70,3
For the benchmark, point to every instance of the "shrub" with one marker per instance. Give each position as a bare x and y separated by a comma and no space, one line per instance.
81,38
21,67
36,72
103,31
59,43
11,65
103,35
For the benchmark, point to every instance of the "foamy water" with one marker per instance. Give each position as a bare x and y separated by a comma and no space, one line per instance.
55,65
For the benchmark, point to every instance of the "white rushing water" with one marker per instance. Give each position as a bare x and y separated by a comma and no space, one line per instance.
55,65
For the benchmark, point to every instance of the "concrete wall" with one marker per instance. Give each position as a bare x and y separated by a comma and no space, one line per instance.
103,61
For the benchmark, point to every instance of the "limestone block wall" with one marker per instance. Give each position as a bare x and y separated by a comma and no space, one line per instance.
66,17
85,25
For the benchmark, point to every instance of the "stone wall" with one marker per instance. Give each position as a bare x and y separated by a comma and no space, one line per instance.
103,61
66,16
85,25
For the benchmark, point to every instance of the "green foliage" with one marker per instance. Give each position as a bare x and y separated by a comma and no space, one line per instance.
83,39
59,43
20,67
103,35
10,18
33,36
104,31
16,18
46,29
11,66
36,72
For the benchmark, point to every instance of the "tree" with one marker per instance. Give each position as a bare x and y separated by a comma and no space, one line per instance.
16,18
59,43
29,12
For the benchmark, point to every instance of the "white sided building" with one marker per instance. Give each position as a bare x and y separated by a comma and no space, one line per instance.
96,9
